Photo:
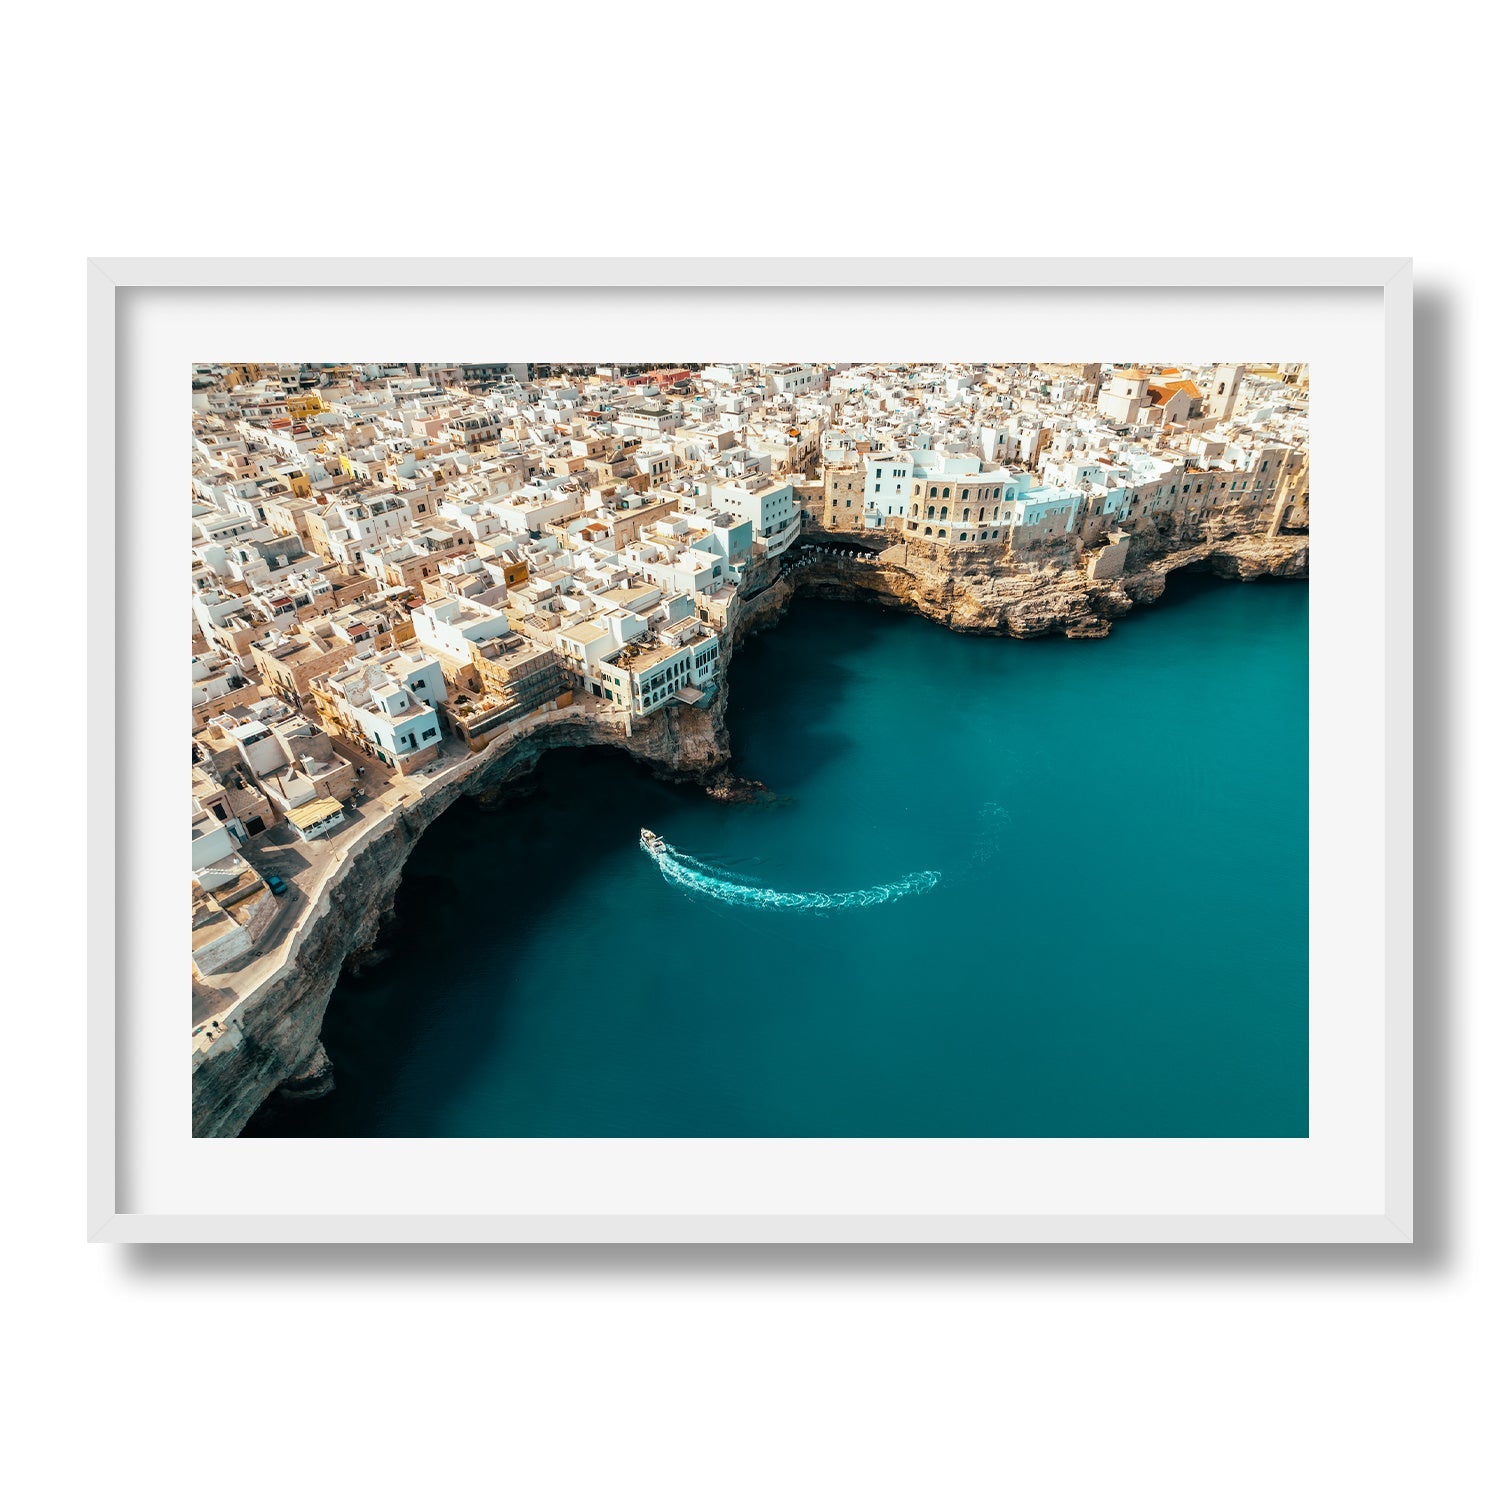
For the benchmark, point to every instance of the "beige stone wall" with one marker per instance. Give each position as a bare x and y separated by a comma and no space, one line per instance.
294,676
843,499
338,783
203,712
218,955
419,758
1109,561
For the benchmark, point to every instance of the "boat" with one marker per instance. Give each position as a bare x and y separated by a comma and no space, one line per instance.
654,843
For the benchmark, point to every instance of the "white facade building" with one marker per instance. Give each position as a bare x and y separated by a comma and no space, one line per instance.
453,627
887,481
772,509
391,697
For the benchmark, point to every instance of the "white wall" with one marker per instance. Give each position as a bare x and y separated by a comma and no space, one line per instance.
212,846
1033,1372
456,636
886,481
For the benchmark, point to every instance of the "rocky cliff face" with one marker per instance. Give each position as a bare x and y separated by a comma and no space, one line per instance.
960,588
274,1041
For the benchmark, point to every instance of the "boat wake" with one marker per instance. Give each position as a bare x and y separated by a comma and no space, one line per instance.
693,875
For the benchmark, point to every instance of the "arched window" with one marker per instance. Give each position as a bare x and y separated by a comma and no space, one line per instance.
927,531
943,534
964,496
966,512
944,514
946,492
930,512
963,536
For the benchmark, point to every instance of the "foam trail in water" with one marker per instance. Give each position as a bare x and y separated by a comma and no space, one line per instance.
693,875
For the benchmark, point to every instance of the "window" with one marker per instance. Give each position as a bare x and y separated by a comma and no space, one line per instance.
427,734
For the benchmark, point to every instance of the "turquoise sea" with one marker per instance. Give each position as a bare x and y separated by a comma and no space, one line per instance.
1079,904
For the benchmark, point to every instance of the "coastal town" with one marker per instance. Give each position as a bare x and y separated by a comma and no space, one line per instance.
408,580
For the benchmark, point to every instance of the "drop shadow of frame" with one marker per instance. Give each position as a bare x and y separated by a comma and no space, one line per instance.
1430,1255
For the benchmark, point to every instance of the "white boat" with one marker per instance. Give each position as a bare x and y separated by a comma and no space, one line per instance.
652,841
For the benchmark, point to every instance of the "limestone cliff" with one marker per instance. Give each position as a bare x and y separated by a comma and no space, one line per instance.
962,589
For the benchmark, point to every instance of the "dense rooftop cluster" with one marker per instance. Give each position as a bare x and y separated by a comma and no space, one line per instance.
392,563
1041,464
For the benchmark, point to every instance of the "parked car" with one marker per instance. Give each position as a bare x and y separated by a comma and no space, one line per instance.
278,885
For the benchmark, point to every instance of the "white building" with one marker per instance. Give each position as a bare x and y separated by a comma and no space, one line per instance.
216,861
1223,391
771,508
794,380
355,526
390,698
1124,395
453,627
680,665
887,481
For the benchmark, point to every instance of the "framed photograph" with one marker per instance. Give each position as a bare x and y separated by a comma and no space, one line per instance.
751,750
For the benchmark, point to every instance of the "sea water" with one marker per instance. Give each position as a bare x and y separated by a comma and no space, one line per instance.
1000,888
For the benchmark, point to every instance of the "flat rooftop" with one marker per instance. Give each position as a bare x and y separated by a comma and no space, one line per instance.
642,656
632,597
316,811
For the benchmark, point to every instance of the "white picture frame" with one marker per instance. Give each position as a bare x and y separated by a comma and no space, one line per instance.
1365,1195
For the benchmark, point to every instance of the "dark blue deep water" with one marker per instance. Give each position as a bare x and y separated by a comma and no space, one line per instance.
1115,945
